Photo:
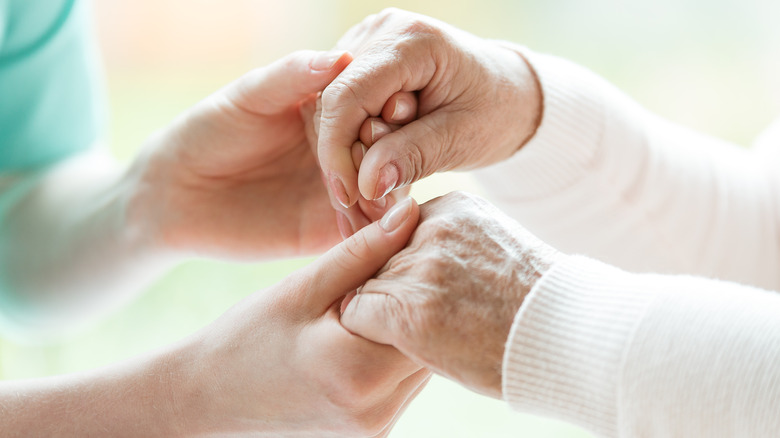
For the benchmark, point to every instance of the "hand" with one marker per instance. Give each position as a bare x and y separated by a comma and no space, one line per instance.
280,363
277,364
235,177
448,300
372,130
479,102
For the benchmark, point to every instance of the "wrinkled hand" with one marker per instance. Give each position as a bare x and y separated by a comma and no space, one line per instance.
479,102
352,218
235,177
448,299
280,363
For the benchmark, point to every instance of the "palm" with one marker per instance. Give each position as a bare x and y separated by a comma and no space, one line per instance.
248,185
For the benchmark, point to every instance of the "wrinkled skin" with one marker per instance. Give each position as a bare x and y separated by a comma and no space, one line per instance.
449,298
479,102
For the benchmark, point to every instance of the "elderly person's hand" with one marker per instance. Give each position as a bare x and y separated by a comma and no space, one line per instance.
372,130
449,298
479,102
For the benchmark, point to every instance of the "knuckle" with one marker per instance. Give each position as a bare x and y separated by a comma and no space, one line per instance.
297,58
338,94
441,157
415,162
357,247
421,28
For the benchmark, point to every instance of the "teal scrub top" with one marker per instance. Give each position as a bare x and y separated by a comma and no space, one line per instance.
51,100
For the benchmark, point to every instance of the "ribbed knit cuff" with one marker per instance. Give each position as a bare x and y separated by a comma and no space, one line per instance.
568,138
565,351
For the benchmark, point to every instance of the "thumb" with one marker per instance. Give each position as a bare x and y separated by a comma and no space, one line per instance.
273,88
367,315
352,262
402,157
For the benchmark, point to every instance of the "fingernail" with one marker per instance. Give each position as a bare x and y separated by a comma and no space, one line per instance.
396,215
339,192
380,203
402,110
325,60
358,152
378,130
388,179
345,228
346,300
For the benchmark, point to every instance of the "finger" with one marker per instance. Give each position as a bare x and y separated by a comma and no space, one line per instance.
307,111
271,89
357,219
372,130
317,117
375,128
358,152
349,220
404,156
401,108
356,94
352,262
376,208
369,315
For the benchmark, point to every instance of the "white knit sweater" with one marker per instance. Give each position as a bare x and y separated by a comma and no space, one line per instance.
652,353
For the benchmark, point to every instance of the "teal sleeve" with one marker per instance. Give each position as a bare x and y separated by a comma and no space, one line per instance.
51,89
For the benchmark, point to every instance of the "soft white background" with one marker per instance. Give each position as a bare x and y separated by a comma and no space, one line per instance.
712,65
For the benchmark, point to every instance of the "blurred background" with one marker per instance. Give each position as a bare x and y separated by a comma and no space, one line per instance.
712,65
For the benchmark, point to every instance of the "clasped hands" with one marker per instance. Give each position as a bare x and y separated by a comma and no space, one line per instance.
241,176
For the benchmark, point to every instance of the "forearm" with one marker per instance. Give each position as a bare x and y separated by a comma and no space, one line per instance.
70,247
627,354
139,397
606,178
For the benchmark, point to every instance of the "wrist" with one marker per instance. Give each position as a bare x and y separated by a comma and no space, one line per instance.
142,201
180,389
531,266
530,97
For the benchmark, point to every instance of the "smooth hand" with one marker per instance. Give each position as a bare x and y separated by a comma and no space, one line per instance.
448,299
281,364
479,102
234,176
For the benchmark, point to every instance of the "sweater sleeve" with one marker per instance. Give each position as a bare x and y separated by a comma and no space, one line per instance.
606,178
645,354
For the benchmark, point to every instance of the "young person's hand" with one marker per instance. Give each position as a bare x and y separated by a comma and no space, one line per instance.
277,364
235,177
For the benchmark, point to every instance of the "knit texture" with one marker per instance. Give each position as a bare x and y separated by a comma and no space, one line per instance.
636,348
